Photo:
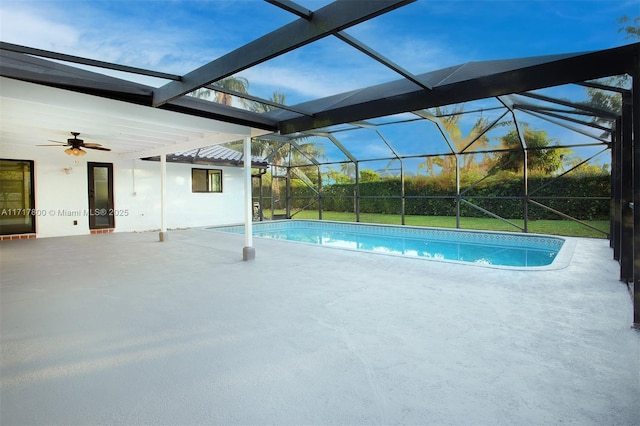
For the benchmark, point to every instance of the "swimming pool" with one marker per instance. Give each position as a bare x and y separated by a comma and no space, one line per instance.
484,248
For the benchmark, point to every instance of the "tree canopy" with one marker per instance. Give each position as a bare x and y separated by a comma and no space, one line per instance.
543,153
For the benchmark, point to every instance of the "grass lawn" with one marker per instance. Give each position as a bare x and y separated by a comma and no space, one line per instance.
553,227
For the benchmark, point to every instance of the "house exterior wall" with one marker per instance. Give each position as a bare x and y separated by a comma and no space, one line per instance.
137,188
61,193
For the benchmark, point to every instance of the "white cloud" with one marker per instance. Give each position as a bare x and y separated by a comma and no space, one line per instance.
101,35
30,29
304,81
116,35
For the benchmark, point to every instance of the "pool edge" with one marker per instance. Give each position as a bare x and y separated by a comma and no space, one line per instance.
561,260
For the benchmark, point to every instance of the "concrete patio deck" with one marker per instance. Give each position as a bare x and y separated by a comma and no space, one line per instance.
121,329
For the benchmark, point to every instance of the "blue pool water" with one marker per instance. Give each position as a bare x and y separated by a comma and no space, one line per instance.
478,247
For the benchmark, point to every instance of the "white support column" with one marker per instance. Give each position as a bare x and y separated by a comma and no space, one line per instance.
163,196
248,252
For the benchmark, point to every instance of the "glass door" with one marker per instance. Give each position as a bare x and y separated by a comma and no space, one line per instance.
17,211
101,196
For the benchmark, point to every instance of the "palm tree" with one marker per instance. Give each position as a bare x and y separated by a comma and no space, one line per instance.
261,147
237,84
450,122
349,170
280,153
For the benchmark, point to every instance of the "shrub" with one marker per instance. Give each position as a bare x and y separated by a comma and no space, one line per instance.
437,196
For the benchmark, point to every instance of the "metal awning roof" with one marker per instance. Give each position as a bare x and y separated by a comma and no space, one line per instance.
466,82
215,155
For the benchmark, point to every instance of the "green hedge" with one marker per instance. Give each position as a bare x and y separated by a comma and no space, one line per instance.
436,197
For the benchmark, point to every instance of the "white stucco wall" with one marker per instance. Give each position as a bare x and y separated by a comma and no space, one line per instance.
137,189
61,196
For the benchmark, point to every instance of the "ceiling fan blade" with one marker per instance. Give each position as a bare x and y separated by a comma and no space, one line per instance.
63,143
99,148
89,145
50,145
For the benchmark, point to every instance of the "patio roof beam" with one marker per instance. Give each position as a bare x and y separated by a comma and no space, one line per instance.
292,7
598,111
595,85
341,147
545,111
562,123
256,99
303,153
353,42
85,61
328,20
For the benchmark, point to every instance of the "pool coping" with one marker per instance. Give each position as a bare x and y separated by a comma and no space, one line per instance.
561,260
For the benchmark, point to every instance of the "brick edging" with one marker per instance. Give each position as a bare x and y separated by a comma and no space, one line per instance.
101,231
17,237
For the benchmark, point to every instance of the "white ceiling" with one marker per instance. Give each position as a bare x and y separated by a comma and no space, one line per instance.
32,114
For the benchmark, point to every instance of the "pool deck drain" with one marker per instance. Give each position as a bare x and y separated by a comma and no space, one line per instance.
121,329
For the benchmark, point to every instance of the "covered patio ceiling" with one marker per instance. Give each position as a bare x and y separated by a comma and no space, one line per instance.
34,114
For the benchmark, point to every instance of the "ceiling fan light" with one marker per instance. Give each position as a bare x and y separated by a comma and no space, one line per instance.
69,151
81,152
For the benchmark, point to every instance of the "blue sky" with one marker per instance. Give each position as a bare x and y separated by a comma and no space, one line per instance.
177,36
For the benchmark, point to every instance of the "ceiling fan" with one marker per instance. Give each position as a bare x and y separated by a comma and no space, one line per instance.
75,145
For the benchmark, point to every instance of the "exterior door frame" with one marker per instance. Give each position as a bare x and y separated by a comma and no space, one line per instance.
100,211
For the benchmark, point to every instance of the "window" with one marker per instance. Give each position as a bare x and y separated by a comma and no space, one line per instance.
206,180
17,212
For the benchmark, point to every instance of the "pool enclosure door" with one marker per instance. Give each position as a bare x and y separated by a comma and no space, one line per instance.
101,215
280,197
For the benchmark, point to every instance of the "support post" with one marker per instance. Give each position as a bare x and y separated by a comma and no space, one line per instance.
458,196
525,178
319,193
163,197
356,193
616,189
287,182
636,194
626,170
248,252
402,194
261,198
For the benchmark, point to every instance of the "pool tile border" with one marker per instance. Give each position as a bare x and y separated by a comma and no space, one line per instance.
534,241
